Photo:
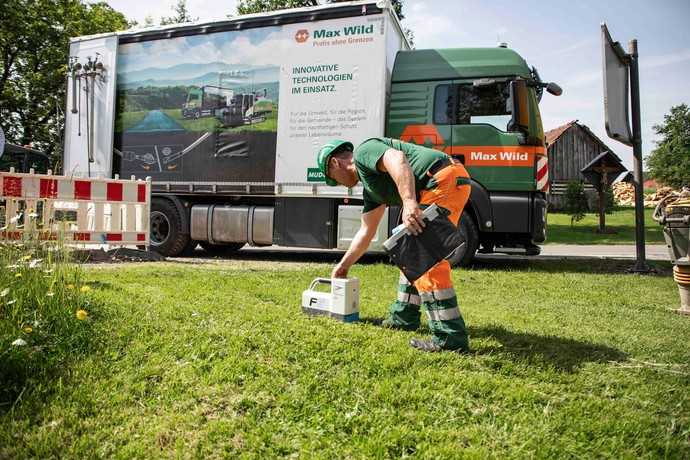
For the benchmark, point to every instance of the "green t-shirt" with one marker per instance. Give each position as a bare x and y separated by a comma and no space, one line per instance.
379,187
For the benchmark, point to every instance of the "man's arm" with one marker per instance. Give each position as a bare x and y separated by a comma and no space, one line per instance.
394,163
360,243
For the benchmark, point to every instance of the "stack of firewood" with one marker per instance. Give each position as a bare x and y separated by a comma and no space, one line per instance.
624,194
652,199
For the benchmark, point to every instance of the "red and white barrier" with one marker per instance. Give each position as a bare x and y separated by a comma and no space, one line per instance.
112,212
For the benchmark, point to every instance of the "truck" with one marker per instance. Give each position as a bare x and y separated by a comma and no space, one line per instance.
205,100
231,109
301,77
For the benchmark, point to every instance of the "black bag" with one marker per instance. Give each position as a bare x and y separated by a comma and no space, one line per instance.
415,255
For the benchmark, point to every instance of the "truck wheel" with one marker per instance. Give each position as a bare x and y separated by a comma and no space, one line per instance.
167,235
463,256
221,249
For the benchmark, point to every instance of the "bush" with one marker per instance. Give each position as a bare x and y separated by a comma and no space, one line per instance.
575,201
669,162
44,310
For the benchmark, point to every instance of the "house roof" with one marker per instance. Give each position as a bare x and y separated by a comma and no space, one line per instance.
555,133
552,135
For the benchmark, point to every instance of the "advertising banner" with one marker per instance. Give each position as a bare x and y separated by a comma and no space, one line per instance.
332,86
199,108
251,105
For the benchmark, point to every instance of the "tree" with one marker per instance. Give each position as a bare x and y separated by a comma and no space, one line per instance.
181,14
34,50
260,6
669,163
575,201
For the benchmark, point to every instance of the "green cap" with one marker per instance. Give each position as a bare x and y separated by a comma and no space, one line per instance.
325,153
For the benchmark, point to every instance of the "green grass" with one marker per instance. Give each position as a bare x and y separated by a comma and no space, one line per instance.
217,361
621,221
40,294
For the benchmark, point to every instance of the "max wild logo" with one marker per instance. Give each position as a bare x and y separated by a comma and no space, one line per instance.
301,35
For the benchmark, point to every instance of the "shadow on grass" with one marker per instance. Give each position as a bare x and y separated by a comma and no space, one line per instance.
564,354
378,322
587,234
567,265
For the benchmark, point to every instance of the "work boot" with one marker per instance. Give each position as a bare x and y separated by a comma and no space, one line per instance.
425,345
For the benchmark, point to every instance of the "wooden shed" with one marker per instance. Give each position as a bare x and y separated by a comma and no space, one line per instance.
570,148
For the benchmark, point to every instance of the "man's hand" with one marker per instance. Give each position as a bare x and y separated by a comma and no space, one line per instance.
339,271
412,217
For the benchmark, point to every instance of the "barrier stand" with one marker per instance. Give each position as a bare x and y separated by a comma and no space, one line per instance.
84,211
673,212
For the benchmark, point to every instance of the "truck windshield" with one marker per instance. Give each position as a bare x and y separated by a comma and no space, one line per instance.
464,104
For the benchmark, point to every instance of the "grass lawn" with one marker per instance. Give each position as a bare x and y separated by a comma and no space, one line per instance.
217,361
585,232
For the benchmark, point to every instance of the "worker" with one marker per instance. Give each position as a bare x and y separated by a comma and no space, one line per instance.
393,172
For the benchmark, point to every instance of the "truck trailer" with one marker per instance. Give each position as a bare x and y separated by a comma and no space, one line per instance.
341,70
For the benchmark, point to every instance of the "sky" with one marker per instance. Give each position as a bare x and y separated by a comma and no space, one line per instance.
560,38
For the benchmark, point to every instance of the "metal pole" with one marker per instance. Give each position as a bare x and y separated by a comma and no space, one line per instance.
640,263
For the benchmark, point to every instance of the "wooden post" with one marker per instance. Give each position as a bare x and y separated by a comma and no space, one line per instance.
602,202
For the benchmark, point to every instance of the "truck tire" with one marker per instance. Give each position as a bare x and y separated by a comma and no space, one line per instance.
221,249
167,235
465,254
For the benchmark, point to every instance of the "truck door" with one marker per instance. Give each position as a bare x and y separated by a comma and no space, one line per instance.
478,114
411,115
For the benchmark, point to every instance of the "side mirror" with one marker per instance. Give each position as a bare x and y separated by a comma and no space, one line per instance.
554,89
520,106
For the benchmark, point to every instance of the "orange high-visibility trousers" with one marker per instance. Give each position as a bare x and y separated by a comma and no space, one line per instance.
434,290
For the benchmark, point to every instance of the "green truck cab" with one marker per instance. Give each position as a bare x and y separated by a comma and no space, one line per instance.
481,106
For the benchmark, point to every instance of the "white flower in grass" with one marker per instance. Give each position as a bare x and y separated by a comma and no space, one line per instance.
34,263
19,343
13,301
4,292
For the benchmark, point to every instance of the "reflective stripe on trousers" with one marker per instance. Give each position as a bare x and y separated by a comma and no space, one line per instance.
441,294
443,315
409,298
